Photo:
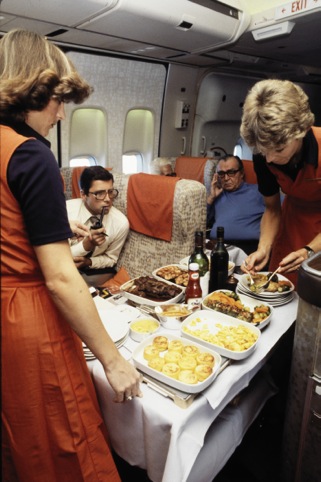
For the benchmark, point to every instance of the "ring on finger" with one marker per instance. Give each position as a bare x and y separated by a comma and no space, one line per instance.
129,398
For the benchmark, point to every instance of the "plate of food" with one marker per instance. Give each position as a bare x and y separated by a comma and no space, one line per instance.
235,339
173,273
239,306
279,286
186,366
146,290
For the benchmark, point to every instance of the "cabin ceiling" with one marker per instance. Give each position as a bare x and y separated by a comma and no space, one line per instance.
296,56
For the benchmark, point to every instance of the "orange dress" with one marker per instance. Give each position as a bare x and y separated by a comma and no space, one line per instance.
52,429
301,210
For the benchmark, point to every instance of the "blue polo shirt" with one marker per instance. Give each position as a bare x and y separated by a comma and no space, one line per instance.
239,212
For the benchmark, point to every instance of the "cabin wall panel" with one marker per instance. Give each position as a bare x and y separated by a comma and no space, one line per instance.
181,85
119,85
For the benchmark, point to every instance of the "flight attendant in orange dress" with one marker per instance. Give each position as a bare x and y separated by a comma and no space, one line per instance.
52,429
277,123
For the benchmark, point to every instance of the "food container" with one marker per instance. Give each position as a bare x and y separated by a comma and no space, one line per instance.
140,300
171,316
205,326
143,327
142,365
250,305
173,273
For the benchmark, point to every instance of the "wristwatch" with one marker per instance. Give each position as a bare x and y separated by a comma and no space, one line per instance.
309,250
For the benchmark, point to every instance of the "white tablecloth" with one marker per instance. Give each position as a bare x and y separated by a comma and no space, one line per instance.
155,434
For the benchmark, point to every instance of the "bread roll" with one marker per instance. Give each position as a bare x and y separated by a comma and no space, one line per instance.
202,372
187,376
205,359
150,351
156,363
171,370
161,342
172,357
176,345
190,350
187,363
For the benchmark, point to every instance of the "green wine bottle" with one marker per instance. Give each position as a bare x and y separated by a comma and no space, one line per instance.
198,256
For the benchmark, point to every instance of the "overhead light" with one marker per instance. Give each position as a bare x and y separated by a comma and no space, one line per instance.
271,31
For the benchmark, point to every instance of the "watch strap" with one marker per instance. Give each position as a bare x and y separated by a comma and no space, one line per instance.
309,250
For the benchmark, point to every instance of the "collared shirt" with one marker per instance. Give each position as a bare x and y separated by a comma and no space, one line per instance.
117,228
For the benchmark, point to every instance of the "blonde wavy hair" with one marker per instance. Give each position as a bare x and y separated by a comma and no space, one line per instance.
275,112
33,71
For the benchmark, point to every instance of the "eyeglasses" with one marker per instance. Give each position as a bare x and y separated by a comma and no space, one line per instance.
229,173
100,195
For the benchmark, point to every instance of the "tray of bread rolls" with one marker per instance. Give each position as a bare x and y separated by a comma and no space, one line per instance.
181,364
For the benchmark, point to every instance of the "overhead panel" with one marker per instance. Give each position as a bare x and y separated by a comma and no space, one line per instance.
179,24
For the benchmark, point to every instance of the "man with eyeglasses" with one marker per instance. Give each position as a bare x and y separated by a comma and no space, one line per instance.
96,255
234,204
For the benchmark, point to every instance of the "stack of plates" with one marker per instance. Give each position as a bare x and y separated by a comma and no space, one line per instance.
274,299
116,325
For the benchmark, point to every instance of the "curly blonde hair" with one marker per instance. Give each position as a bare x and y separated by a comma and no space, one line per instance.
33,71
275,112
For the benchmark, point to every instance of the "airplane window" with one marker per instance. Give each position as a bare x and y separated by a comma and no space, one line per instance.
132,163
139,139
88,136
83,161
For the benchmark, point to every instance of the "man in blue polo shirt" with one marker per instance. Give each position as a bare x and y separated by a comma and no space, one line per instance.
235,205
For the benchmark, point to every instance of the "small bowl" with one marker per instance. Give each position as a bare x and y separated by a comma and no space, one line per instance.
171,316
143,327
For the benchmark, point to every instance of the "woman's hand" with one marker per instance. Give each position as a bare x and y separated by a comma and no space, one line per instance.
124,380
293,261
255,262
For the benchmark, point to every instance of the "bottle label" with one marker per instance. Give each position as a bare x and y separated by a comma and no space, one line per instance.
195,276
194,303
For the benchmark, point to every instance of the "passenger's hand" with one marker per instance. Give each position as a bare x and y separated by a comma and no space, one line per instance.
216,189
98,236
82,262
80,230
292,261
125,380
255,262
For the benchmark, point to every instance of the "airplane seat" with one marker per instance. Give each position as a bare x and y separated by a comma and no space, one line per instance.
199,169
250,176
142,254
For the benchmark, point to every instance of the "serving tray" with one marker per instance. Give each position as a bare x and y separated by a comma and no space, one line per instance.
142,365
205,322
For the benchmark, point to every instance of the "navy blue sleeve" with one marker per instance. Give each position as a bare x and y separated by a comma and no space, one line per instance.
35,181
267,183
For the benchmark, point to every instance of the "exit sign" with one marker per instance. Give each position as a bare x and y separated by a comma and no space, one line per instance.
296,7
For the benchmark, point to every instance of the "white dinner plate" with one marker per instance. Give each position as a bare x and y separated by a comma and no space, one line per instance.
244,283
128,313
115,323
277,301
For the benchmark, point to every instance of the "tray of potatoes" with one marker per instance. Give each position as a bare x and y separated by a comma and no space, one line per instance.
186,366
231,338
